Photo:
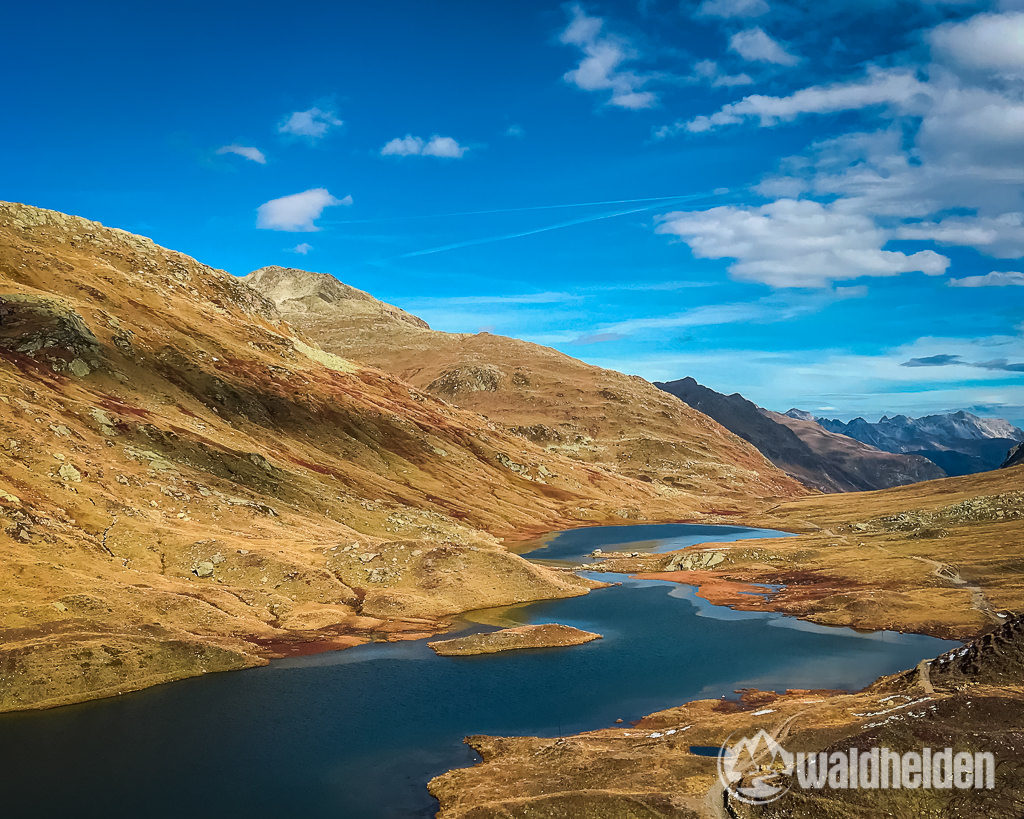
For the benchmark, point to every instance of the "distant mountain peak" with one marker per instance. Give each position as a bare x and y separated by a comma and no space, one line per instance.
800,415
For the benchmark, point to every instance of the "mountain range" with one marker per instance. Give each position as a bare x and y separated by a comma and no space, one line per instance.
960,442
794,442
200,472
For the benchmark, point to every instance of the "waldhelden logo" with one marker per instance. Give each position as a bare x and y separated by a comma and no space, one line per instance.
758,770
761,753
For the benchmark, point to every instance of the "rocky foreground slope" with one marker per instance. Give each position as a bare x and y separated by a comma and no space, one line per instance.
563,405
187,484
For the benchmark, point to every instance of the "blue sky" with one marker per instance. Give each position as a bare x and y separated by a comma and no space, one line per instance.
815,204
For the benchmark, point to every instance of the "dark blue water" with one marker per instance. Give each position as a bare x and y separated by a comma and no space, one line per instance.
356,734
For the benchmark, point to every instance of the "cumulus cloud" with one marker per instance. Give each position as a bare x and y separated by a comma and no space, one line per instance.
945,166
409,145
246,151
985,42
732,8
996,278
755,45
601,65
302,248
298,211
795,243
314,123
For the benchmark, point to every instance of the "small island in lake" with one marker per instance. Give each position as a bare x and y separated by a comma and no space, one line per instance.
544,635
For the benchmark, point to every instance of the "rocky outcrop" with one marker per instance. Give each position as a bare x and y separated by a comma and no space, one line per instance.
47,331
471,378
1015,457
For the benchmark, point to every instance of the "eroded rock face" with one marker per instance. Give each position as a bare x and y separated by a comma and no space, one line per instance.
690,561
473,378
46,330
1015,457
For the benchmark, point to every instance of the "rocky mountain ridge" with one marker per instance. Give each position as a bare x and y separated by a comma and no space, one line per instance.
565,406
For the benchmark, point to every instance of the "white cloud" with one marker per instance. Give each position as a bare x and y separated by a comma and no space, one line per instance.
985,42
732,8
1000,236
314,123
709,70
896,87
997,278
755,45
298,211
302,248
443,146
254,154
973,126
409,145
403,146
795,243
952,143
600,68
515,131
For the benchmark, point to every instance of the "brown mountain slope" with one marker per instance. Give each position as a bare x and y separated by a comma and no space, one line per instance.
187,486
564,405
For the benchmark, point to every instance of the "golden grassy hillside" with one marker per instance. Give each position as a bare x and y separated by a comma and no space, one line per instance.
187,485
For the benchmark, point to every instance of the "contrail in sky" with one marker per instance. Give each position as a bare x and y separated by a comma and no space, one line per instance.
678,197
659,201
